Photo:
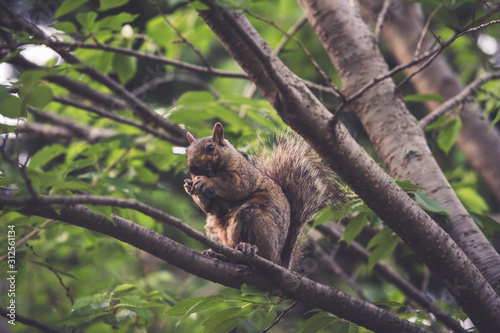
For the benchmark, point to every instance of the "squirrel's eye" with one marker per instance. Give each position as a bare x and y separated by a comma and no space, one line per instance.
210,148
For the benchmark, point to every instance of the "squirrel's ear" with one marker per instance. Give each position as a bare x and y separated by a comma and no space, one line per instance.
218,135
190,137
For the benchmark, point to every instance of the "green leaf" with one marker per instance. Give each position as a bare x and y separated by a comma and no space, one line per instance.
198,5
430,204
264,317
224,321
407,185
66,26
122,288
68,6
103,210
193,305
40,96
323,216
379,238
108,4
472,200
440,122
247,290
125,67
388,304
383,250
449,134
424,98
11,55
488,226
195,98
317,322
87,21
115,22
354,227
45,155
497,117
11,107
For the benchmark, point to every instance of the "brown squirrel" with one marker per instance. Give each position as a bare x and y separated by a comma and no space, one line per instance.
260,204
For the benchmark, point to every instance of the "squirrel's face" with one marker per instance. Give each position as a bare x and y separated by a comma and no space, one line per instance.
202,157
205,155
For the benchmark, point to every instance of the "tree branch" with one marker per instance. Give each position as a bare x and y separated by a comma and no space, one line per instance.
139,107
392,277
306,115
278,280
453,102
124,120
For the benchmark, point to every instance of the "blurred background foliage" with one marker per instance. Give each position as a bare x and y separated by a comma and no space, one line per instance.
74,277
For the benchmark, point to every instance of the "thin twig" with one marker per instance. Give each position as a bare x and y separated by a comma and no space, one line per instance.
429,54
120,119
49,266
252,88
458,98
280,316
184,40
30,322
138,106
22,169
381,19
28,236
426,28
151,84
64,127
330,263
318,69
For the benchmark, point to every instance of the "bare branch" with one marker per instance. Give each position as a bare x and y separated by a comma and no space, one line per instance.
184,40
63,127
381,19
431,54
459,98
49,266
30,322
124,120
138,106
391,276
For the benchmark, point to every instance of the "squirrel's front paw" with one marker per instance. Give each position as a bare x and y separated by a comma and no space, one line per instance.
200,187
213,254
188,186
247,248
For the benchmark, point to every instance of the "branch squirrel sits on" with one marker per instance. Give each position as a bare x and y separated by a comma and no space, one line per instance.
260,204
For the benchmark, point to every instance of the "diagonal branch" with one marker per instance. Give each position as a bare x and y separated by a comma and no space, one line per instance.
451,103
139,107
120,119
306,115
278,280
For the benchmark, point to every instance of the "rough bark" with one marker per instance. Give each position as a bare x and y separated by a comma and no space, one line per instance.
401,33
396,135
269,276
306,115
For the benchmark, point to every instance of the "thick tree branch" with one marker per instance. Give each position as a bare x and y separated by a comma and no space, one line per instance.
479,144
278,280
387,121
299,108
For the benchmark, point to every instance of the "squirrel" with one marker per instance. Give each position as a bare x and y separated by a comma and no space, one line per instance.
258,204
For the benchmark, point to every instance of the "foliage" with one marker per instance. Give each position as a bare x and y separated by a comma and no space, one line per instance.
92,282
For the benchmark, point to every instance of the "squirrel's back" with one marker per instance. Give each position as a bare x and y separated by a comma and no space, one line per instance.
307,184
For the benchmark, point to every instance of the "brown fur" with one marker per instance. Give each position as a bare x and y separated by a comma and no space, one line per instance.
264,201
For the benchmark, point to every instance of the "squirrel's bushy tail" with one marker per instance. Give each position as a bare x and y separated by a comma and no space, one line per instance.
307,183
